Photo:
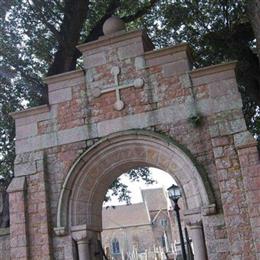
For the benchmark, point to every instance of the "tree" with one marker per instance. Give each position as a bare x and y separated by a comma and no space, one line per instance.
39,38
121,191
253,10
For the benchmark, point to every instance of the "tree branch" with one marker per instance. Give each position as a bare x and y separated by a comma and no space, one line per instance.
97,31
141,12
42,18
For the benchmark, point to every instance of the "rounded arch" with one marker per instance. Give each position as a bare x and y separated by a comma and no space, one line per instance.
83,191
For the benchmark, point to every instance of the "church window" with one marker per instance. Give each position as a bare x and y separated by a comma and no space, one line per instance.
164,222
115,246
163,242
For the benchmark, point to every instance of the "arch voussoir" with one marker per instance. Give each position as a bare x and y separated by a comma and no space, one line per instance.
95,170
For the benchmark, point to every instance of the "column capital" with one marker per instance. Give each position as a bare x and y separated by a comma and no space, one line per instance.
80,235
209,210
81,232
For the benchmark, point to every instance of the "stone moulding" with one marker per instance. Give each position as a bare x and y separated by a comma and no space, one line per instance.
17,184
30,112
213,69
141,137
115,38
182,47
64,76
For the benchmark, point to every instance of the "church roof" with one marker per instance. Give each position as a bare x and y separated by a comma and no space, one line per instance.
155,199
135,214
125,216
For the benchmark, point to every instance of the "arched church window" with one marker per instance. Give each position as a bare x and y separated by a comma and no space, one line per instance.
164,222
163,242
115,246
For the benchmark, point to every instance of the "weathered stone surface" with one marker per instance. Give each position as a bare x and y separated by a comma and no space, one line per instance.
4,244
130,51
175,68
139,63
244,139
60,95
70,184
17,184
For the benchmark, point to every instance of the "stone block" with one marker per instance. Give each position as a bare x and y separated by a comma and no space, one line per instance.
36,143
244,139
220,141
95,60
17,184
167,55
175,68
218,152
77,134
214,130
139,63
185,80
32,119
130,51
223,88
171,114
211,76
24,169
231,127
65,80
60,95
40,166
28,157
26,131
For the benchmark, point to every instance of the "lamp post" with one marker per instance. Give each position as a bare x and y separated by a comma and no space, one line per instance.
174,193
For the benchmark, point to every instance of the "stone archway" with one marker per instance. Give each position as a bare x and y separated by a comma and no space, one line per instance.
83,191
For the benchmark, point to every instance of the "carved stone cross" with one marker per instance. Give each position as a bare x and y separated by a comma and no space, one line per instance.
119,104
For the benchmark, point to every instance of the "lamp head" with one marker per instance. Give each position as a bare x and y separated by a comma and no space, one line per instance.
174,192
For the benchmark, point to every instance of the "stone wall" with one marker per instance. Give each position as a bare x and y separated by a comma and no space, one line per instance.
4,244
81,111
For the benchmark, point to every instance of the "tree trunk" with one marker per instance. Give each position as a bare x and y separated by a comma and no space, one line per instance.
253,11
75,13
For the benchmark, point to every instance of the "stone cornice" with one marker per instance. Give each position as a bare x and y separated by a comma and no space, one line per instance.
213,69
182,47
30,111
17,184
64,76
114,38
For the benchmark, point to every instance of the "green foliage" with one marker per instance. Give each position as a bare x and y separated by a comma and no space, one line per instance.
120,190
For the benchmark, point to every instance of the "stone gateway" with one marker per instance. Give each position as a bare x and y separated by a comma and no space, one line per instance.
134,106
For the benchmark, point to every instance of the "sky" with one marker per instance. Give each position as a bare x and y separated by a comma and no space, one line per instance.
162,178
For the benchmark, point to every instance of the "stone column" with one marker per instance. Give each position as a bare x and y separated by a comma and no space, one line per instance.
83,249
197,236
83,242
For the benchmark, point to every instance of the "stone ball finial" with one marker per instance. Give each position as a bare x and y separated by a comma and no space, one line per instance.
112,25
